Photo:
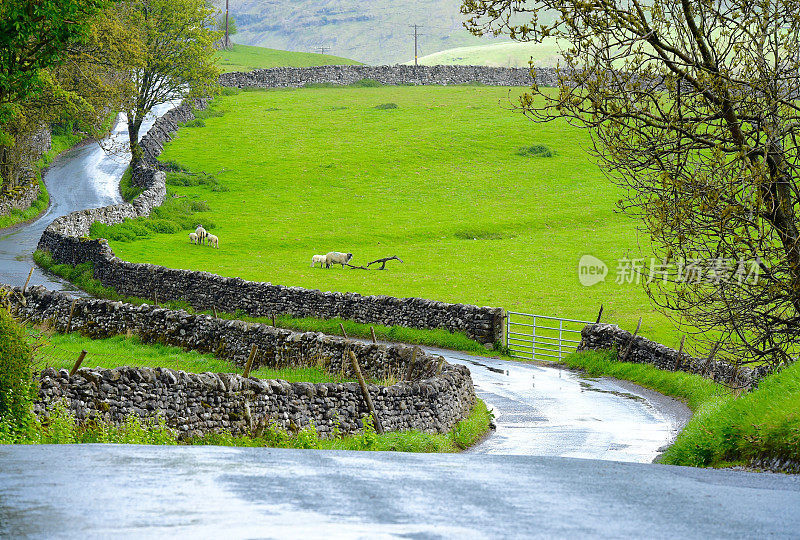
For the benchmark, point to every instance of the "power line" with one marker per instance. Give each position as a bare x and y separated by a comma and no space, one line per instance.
416,35
322,49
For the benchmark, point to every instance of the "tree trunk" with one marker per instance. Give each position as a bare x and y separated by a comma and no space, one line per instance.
133,136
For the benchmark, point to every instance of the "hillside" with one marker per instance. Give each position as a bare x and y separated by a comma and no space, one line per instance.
376,32
247,58
508,54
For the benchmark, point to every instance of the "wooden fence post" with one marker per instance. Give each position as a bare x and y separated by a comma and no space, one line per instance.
343,332
630,343
273,320
24,287
372,331
599,315
214,309
78,363
411,364
365,391
680,353
69,320
249,364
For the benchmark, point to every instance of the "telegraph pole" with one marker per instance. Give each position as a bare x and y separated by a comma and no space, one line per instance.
322,49
416,35
227,37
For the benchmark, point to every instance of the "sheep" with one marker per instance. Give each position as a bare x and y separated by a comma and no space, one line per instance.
193,238
317,259
213,241
335,257
201,234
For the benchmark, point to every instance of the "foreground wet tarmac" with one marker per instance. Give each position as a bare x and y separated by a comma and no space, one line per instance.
102,491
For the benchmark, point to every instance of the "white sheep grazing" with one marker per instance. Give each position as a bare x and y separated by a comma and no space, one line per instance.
317,259
193,237
335,257
201,234
213,241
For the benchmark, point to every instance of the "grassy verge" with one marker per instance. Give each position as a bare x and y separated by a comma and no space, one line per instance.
726,428
61,351
61,428
82,277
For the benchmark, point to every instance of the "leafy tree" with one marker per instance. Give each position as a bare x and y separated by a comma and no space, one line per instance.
177,57
232,30
693,110
34,35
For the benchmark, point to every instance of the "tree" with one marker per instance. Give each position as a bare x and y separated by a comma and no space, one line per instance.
34,35
693,110
177,57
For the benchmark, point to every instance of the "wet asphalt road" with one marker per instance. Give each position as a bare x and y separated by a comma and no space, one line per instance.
103,491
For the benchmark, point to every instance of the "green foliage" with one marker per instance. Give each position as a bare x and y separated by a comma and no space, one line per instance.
537,150
247,58
197,122
177,40
126,187
81,275
725,428
386,106
17,386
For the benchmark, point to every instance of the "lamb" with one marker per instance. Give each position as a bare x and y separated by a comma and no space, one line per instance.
193,238
317,259
335,257
213,241
201,234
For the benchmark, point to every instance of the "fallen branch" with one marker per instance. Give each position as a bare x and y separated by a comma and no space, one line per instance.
384,261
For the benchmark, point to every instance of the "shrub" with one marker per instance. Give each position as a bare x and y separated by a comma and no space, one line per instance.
197,122
537,150
16,374
386,106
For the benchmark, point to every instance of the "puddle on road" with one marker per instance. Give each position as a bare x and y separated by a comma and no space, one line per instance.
585,386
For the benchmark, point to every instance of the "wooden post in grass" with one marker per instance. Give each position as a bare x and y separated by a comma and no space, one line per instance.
273,320
599,315
365,391
69,320
249,364
680,354
372,331
214,309
78,363
24,287
630,343
343,332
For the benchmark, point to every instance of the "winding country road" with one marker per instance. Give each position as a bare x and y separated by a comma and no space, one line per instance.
530,485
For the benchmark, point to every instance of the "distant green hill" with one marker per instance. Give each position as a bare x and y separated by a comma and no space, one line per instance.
247,58
375,32
509,54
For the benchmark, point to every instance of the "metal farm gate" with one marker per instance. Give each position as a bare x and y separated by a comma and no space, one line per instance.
530,336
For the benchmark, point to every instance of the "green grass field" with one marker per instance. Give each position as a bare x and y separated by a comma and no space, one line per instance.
510,54
248,58
60,351
439,181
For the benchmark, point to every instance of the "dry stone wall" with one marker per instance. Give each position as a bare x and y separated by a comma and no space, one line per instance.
207,402
285,77
22,199
645,351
